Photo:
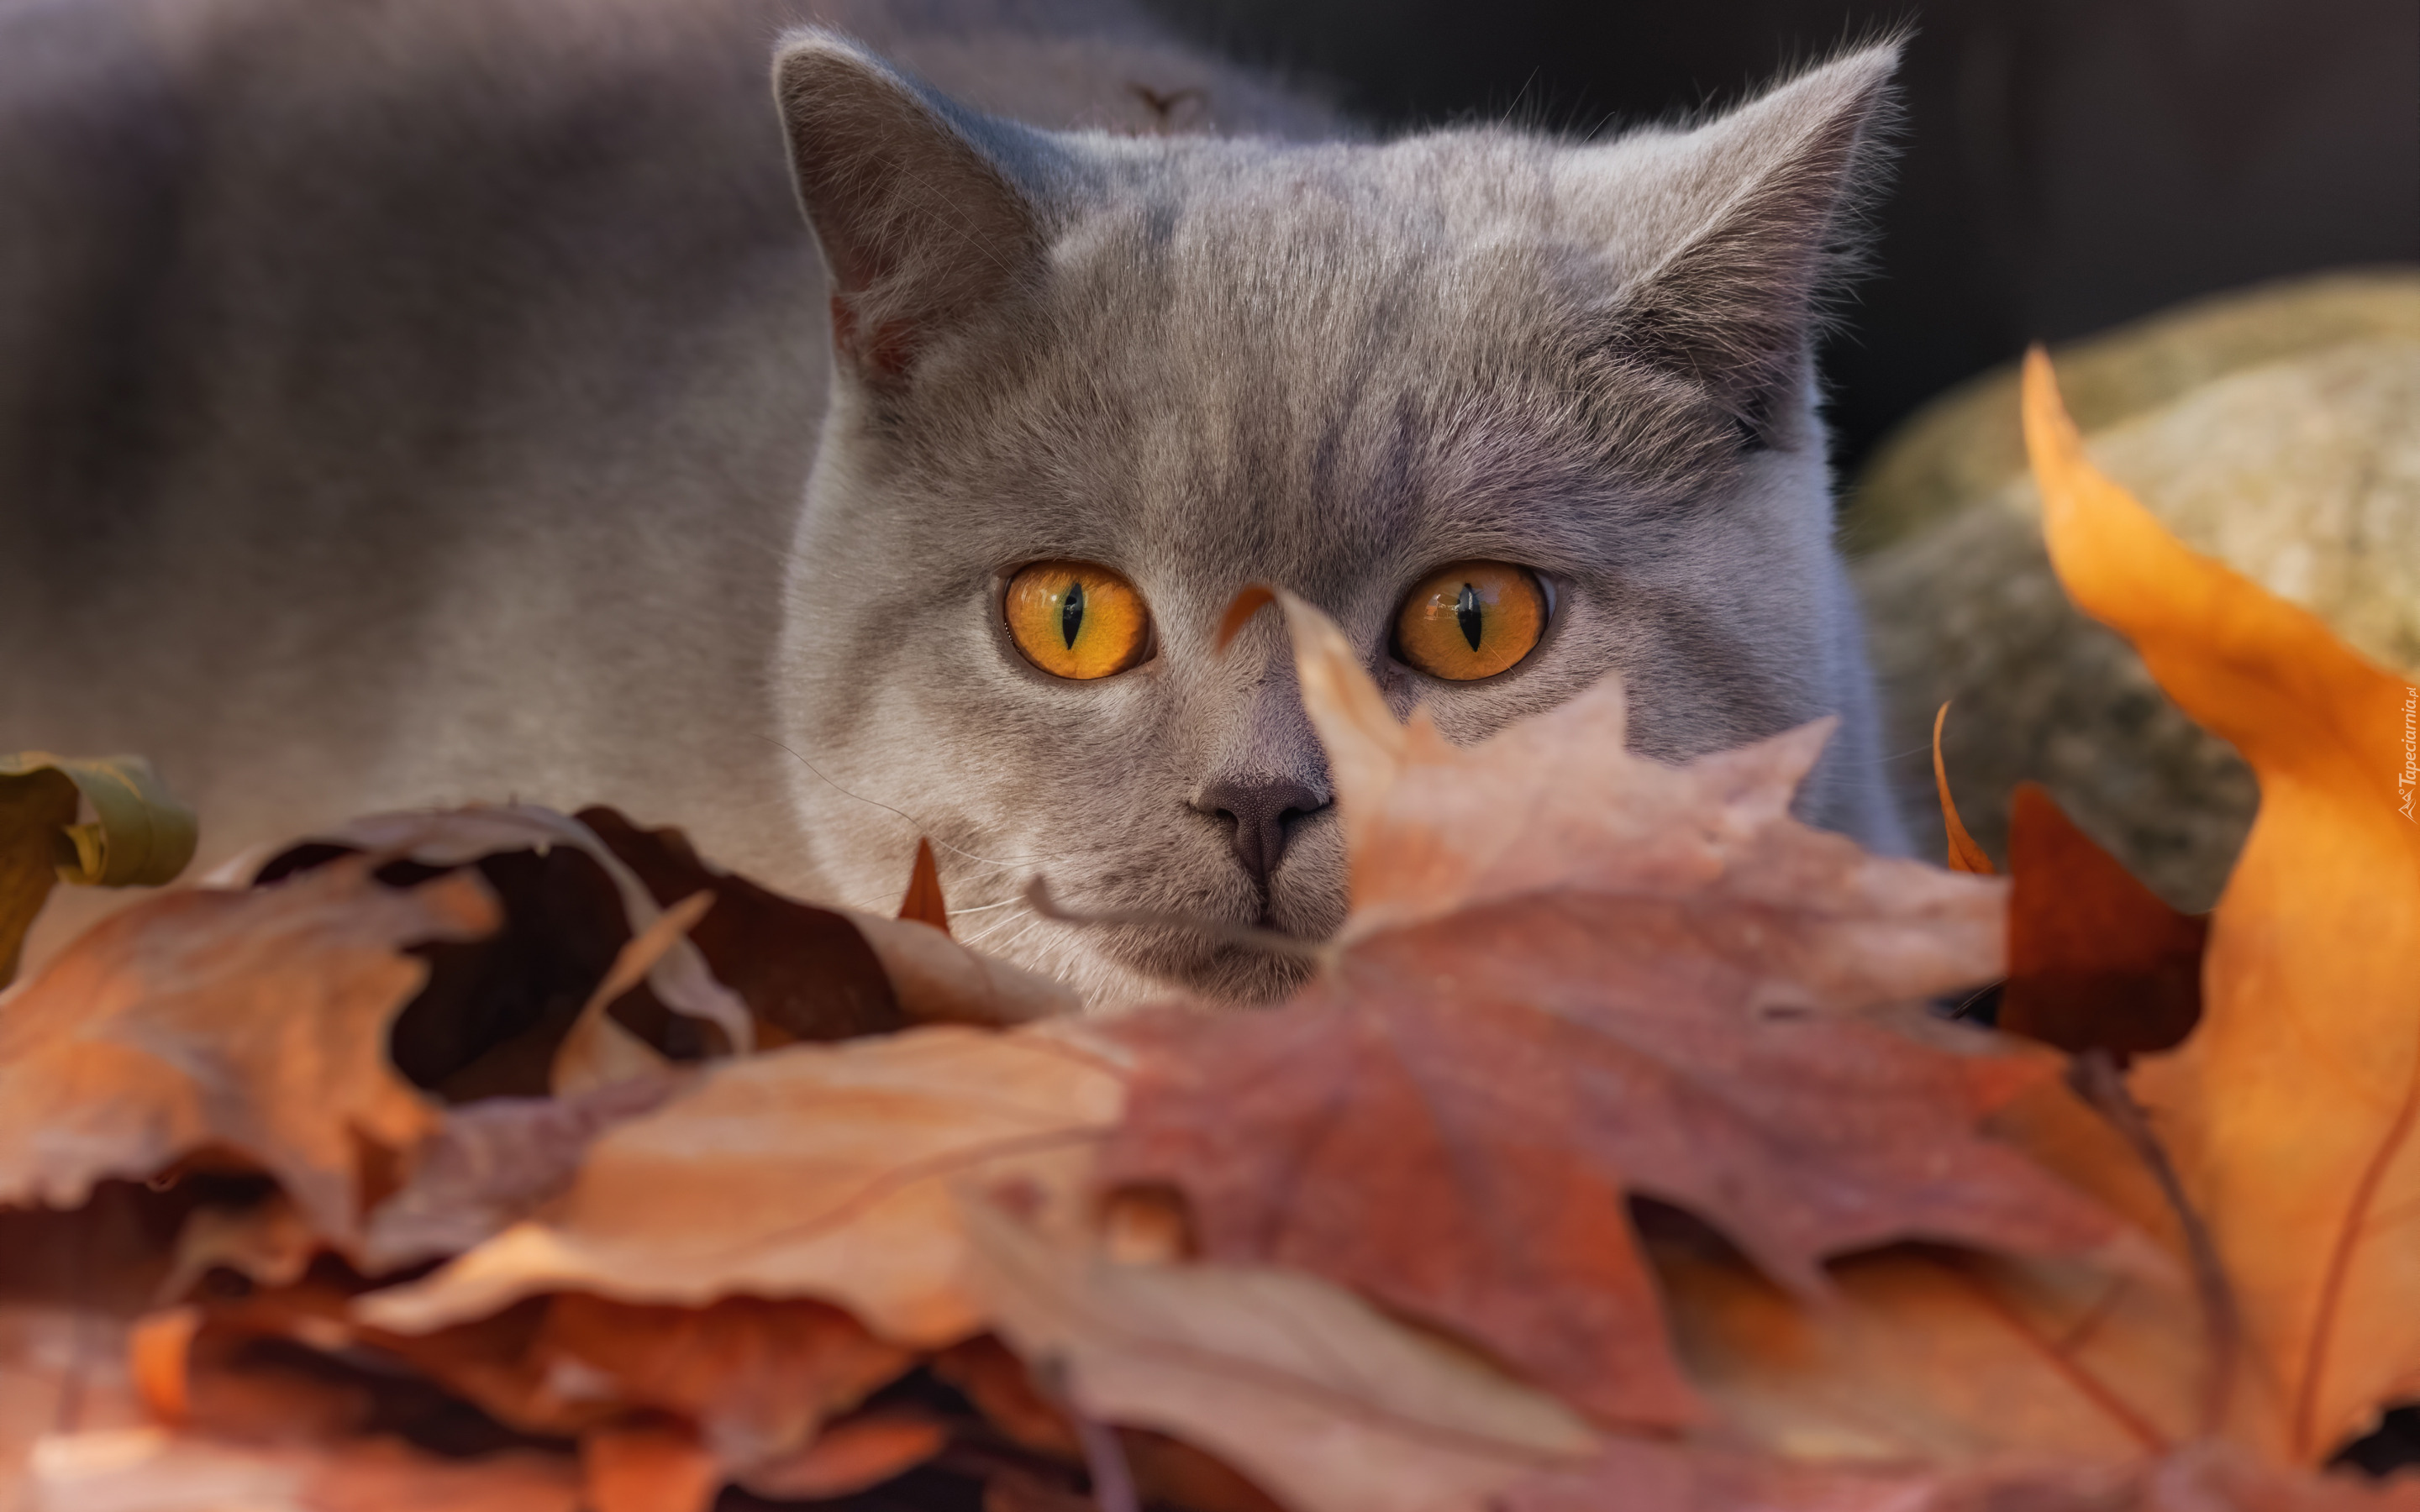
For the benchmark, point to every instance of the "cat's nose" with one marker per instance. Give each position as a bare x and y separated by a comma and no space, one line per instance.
1265,809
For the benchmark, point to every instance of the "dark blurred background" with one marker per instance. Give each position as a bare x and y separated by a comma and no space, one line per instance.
2066,165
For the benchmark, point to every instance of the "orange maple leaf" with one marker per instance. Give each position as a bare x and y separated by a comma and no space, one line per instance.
2290,1114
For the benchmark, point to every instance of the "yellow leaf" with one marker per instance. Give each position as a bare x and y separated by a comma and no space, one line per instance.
141,835
2290,1114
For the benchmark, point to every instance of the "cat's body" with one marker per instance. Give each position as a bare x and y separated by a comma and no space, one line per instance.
409,402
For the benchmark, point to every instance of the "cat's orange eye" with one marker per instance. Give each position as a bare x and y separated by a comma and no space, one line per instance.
1471,620
1073,619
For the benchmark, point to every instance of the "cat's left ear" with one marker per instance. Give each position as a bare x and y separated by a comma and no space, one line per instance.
1751,217
915,199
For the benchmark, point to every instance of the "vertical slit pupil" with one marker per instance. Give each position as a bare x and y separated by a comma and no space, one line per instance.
1071,613
1465,609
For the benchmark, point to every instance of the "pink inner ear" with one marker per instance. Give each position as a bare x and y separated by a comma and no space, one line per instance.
884,353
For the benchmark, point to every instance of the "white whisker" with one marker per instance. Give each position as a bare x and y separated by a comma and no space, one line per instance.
985,908
997,925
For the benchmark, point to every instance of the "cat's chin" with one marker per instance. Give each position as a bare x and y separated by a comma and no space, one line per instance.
1132,966
1238,974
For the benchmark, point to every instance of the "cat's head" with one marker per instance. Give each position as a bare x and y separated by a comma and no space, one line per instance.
1518,412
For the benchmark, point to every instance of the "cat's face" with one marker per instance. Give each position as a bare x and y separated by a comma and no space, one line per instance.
1461,391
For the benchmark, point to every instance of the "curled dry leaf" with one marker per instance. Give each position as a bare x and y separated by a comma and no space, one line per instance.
679,979
1313,1394
743,1385
75,1437
1964,854
1573,975
598,1053
256,1021
756,1380
806,973
139,835
825,974
808,1171
2292,1112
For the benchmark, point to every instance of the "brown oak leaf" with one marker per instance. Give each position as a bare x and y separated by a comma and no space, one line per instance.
256,1021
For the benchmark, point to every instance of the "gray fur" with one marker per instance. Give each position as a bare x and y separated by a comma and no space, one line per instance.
406,404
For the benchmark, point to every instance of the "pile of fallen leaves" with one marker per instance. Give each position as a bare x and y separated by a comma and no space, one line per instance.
1615,1155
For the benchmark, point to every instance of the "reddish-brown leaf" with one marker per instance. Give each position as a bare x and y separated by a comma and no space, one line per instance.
2096,959
1573,975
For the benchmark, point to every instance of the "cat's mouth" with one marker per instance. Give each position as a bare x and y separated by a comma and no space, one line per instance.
1258,958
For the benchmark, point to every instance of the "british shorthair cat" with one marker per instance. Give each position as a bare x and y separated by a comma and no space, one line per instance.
441,401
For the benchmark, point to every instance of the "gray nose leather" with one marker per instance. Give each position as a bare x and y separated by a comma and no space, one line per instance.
1263,809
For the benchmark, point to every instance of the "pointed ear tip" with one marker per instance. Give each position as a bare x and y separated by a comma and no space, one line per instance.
1863,73
1877,58
810,50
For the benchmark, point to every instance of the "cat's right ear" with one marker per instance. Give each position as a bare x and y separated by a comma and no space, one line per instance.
921,227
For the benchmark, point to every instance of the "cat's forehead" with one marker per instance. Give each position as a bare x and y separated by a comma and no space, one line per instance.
1223,234
1326,360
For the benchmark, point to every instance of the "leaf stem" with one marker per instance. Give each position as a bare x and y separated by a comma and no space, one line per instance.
2094,1076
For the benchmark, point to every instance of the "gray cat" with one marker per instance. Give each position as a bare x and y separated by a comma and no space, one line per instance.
409,404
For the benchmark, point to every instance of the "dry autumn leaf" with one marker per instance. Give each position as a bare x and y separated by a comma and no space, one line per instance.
1316,1397
492,1163
2291,1113
561,913
1573,975
2201,1478
806,1172
139,835
750,1384
76,1437
1964,855
256,1021
806,973
1944,1358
